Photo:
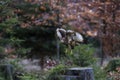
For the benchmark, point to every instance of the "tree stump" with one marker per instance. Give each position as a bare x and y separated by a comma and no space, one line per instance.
78,74
7,71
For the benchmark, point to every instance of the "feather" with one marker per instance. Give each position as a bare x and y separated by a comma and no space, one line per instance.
78,37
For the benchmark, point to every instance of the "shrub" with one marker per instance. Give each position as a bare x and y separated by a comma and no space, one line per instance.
28,77
83,55
113,69
2,53
1,76
99,73
112,65
54,74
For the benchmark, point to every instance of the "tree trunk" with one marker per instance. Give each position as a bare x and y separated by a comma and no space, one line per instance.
79,74
7,71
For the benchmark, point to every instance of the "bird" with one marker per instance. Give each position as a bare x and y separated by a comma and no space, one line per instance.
61,34
69,37
74,38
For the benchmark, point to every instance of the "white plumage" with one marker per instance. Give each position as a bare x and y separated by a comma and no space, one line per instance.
61,33
69,36
78,37
70,31
75,36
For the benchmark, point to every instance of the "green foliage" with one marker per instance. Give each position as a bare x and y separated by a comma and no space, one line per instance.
45,75
2,50
1,76
14,62
2,53
28,77
8,20
40,39
21,52
112,65
83,55
99,73
56,72
41,75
